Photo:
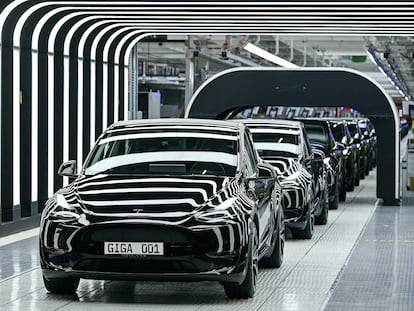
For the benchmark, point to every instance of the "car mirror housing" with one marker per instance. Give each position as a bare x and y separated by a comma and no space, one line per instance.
68,169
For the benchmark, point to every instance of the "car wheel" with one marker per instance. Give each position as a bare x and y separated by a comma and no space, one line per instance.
307,232
342,190
351,182
357,179
322,219
248,287
367,169
61,286
275,259
363,171
357,174
334,198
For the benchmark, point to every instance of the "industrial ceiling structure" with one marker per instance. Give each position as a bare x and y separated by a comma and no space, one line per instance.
386,59
64,66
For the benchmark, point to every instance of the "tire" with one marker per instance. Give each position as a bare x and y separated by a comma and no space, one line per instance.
351,184
342,190
61,286
322,219
367,168
364,170
307,232
248,287
357,178
334,202
275,259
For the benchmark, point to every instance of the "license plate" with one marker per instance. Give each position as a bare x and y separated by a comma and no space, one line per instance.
134,248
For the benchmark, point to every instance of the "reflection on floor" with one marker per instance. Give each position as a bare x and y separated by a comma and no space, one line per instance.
304,282
380,272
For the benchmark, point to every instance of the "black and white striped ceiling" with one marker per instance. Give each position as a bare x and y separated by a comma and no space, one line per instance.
64,67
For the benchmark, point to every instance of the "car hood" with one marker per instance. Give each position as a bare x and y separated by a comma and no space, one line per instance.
120,194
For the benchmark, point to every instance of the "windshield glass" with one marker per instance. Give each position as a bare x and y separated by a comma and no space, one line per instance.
166,152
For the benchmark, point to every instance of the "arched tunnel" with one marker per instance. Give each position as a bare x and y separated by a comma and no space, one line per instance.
309,87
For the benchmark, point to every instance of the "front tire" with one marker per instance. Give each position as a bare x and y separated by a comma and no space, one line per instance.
61,286
307,232
248,287
322,219
342,190
275,259
334,200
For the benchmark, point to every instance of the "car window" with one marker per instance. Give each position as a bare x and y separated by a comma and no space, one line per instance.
317,135
339,133
166,152
306,147
249,156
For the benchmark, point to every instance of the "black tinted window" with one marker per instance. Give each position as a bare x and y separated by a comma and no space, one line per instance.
338,132
317,134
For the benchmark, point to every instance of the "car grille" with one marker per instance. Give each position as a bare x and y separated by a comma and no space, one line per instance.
177,241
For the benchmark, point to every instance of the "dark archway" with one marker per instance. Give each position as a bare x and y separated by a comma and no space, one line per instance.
314,87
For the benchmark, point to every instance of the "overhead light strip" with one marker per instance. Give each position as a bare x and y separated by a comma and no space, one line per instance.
269,56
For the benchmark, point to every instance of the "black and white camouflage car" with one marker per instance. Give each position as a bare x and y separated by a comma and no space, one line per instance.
170,199
303,174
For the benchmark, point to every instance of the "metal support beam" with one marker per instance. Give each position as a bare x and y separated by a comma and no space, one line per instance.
133,84
189,72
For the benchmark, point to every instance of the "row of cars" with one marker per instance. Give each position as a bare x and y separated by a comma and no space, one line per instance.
189,200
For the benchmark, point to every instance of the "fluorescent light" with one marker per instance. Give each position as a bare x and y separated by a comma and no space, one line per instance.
269,56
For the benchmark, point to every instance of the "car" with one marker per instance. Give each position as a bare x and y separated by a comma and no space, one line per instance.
321,137
284,144
368,131
404,127
344,140
361,148
165,199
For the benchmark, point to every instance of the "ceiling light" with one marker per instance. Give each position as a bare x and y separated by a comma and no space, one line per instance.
269,56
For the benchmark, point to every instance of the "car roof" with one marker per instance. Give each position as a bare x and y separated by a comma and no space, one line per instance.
287,123
176,121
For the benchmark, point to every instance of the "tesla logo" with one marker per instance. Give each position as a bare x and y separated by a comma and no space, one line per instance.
137,210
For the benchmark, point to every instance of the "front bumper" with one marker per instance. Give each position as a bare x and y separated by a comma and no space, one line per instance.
193,252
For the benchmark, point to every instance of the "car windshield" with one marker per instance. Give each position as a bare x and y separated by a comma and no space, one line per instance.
166,152
276,143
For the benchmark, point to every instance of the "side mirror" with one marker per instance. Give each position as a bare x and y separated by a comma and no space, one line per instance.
68,169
